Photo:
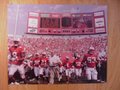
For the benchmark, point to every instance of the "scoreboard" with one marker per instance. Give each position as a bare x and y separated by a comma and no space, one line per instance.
66,23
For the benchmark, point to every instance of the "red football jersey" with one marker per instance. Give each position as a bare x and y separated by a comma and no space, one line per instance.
36,61
67,65
16,55
77,63
44,62
91,60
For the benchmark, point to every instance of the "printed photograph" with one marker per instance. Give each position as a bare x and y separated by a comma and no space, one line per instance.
57,44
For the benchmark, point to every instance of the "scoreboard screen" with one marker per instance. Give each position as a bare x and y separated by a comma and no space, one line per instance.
83,23
70,23
66,22
49,22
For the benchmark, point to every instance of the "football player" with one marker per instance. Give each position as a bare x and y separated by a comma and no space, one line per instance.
78,67
17,55
36,63
69,68
44,63
90,60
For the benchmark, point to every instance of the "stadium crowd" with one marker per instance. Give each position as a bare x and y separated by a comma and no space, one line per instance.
61,44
